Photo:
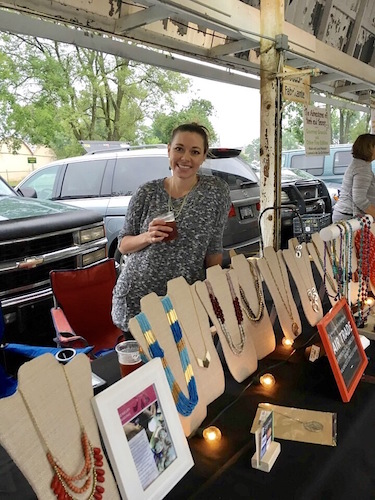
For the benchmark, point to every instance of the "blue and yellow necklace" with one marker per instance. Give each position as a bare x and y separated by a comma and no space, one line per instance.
184,405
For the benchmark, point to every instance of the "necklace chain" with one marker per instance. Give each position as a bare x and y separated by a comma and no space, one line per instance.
300,253
178,209
288,307
205,362
258,288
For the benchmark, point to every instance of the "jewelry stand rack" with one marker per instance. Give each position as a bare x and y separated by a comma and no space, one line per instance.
196,332
261,330
152,307
45,388
240,365
273,268
297,259
332,232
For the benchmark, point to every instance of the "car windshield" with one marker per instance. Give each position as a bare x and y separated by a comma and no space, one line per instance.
6,190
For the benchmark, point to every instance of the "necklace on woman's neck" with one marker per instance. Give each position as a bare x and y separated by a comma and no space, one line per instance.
235,348
63,484
184,405
174,207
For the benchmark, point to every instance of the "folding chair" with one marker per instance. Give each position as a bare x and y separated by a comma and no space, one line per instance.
82,311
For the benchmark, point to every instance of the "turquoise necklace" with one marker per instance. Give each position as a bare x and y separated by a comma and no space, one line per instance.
184,405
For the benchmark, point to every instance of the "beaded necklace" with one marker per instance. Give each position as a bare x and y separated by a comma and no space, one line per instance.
258,288
63,484
363,269
286,304
184,405
235,348
335,288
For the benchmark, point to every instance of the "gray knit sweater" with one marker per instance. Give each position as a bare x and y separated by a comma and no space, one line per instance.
357,191
200,232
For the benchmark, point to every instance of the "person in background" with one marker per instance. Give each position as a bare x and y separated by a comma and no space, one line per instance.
357,194
200,204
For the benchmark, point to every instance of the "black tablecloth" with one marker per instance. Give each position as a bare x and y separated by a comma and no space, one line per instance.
302,471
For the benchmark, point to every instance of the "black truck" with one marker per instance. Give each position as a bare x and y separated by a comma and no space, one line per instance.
35,237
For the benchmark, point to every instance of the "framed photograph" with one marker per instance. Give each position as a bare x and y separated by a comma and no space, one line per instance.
343,347
142,433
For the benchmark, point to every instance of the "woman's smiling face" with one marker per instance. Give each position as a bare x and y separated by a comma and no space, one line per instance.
186,154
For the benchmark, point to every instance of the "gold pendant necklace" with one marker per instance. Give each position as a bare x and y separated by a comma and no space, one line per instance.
288,307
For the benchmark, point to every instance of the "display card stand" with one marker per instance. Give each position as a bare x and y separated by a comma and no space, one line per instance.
196,332
152,307
44,386
273,268
269,458
261,330
297,259
240,365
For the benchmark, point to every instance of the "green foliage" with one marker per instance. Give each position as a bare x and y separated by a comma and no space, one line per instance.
56,95
199,110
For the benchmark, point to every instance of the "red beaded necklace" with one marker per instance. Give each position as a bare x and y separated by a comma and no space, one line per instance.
235,348
64,485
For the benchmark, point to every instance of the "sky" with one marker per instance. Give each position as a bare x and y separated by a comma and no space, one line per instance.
237,120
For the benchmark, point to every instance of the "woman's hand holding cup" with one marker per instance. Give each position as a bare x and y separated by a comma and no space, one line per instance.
163,228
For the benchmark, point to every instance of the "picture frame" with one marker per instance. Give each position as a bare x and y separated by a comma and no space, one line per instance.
143,434
341,341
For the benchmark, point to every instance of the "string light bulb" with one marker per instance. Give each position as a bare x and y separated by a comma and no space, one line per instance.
267,380
212,434
287,342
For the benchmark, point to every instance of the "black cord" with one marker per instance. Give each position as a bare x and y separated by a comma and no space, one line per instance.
256,379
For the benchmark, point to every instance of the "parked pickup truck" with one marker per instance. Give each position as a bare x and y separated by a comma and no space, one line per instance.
37,236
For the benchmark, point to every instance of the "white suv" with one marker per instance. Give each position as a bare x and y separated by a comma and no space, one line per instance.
105,180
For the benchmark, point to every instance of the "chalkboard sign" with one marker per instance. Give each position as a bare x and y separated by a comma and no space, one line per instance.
343,347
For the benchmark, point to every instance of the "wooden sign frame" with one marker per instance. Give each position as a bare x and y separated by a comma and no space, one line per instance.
341,341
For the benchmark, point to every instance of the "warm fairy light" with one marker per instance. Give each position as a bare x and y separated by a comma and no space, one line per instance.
287,342
370,301
212,434
267,380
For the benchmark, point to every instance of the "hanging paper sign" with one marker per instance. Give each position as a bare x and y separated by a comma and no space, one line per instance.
317,130
296,88
343,347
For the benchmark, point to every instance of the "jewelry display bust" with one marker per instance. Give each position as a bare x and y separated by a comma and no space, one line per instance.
298,261
257,320
196,331
273,268
241,356
48,414
152,307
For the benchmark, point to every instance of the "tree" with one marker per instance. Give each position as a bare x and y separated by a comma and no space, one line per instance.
56,94
199,110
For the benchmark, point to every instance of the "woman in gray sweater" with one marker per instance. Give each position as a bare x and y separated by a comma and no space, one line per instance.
357,194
